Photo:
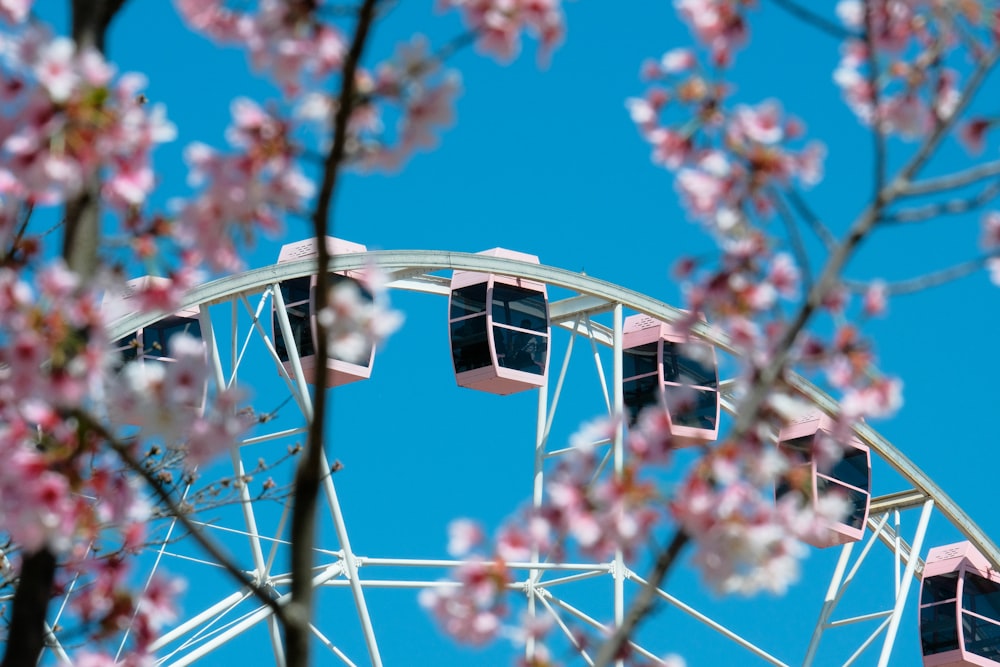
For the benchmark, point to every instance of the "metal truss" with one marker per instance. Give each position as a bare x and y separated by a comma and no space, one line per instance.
237,305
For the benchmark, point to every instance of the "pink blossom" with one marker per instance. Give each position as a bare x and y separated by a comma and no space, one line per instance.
990,238
875,299
463,536
761,124
717,23
973,133
500,23
784,275
677,60
15,11
993,266
471,612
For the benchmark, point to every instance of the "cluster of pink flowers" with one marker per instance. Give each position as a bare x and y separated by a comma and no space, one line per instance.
498,24
66,117
61,489
15,11
472,611
358,316
413,87
915,88
109,602
244,190
719,24
287,39
726,161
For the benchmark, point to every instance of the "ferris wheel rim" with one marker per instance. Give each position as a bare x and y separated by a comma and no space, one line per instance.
416,262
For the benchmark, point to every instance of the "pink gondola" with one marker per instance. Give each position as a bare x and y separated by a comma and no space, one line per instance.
299,297
663,366
959,609
850,476
499,329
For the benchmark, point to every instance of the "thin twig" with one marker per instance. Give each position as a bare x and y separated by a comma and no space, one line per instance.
213,550
953,181
815,20
927,281
795,239
951,207
805,212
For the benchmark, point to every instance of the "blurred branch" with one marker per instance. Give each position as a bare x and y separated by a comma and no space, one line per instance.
926,281
815,223
878,131
308,473
795,239
644,603
815,20
953,181
950,207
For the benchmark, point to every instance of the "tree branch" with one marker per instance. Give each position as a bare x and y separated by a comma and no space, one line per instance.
307,473
212,549
795,239
953,181
611,649
926,281
815,223
951,207
878,131
815,20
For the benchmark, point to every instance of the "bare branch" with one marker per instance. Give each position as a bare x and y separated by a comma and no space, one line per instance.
953,181
815,20
212,549
927,281
308,473
795,239
644,603
878,131
812,219
951,207
753,400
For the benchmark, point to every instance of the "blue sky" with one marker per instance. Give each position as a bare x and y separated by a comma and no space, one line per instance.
548,162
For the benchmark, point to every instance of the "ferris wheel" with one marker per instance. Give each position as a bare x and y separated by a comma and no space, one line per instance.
550,337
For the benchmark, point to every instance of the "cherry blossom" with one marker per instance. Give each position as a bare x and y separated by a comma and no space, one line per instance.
471,612
15,11
357,316
77,120
990,238
498,24
244,191
288,40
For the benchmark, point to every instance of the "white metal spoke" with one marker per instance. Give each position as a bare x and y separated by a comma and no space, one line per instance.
246,506
718,627
330,645
250,341
600,366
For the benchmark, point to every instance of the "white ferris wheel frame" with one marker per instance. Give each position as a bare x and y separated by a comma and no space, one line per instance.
412,270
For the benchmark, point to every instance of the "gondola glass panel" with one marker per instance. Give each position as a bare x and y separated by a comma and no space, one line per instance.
299,295
849,478
499,329
661,366
959,608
